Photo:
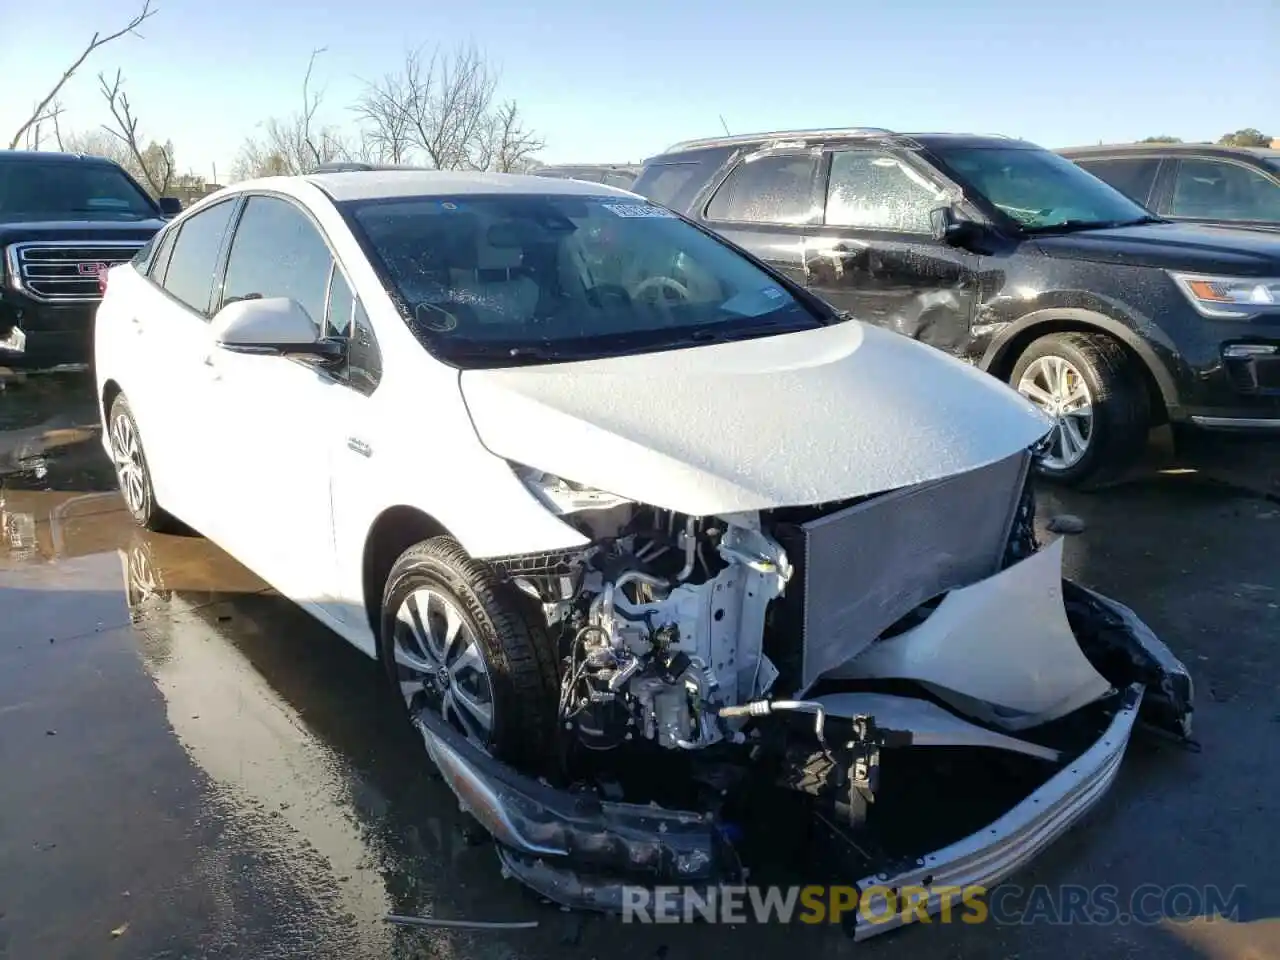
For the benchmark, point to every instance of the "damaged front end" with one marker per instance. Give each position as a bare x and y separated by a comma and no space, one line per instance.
814,672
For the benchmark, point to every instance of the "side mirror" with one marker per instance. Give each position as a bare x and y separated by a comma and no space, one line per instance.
170,206
949,228
274,326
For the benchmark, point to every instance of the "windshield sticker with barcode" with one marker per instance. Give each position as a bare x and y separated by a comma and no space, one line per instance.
637,210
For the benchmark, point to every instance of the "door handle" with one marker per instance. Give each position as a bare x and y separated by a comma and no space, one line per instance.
838,250
359,446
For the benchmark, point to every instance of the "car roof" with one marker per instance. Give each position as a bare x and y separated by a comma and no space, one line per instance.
586,167
837,134
53,156
1119,148
391,184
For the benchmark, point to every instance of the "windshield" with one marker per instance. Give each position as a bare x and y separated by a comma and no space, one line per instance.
559,277
1039,189
68,189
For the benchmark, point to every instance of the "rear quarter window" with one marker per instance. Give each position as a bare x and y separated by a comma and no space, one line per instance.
674,184
771,188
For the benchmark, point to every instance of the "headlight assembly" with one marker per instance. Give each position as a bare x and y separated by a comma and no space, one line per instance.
1229,298
562,496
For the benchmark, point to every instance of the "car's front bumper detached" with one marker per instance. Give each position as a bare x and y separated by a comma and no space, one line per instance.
585,853
539,827
989,855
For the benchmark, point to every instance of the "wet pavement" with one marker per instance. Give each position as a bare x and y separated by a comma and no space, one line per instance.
191,767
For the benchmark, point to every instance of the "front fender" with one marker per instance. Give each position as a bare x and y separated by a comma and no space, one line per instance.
1026,328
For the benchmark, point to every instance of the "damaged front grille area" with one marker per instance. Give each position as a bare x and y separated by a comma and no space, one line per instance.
553,576
863,567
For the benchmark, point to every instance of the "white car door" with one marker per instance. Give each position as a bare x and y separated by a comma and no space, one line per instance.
275,415
357,440
167,376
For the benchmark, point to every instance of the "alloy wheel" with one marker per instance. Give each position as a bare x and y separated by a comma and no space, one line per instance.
126,453
440,665
1055,386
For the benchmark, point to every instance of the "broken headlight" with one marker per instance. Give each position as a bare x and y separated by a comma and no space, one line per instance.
562,496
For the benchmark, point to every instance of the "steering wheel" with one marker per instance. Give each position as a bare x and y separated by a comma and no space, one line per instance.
664,284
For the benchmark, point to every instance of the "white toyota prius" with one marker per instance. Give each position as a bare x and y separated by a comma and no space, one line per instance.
660,555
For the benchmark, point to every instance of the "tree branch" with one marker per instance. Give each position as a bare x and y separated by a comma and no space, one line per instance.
40,113
156,162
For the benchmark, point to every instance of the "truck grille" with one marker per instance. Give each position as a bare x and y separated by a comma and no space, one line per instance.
860,569
67,271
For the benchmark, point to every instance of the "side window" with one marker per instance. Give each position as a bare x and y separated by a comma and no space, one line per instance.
345,319
1132,176
337,318
774,188
159,260
875,190
142,259
364,360
670,184
1218,190
278,252
194,261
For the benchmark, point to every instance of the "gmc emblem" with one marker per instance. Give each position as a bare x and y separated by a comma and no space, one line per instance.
91,269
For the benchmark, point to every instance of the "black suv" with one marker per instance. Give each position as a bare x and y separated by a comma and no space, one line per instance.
64,219
1014,259
1199,182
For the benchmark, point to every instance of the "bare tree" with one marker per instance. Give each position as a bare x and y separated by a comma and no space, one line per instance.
97,143
385,128
506,147
447,98
442,104
155,161
34,137
48,109
293,144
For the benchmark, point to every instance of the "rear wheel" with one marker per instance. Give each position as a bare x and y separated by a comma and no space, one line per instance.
461,644
132,472
1094,392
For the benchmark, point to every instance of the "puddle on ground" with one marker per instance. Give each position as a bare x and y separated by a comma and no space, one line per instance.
50,433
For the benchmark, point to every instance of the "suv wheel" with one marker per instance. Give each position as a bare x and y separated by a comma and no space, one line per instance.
1094,392
458,642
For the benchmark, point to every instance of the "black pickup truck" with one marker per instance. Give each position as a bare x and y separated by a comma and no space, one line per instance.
64,219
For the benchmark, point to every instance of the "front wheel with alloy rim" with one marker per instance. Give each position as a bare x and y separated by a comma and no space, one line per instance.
1094,392
463,645
132,473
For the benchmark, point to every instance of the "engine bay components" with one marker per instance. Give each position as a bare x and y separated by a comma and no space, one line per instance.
667,629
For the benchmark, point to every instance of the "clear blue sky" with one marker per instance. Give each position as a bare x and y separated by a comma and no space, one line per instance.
608,81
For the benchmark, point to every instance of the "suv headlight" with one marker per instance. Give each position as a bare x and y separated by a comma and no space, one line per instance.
1229,298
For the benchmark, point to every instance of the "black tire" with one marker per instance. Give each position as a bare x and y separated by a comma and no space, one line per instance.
1121,405
519,655
144,509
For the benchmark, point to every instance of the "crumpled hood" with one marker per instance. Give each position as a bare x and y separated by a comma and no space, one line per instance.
802,418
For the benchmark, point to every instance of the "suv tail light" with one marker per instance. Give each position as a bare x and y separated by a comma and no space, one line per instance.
102,282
